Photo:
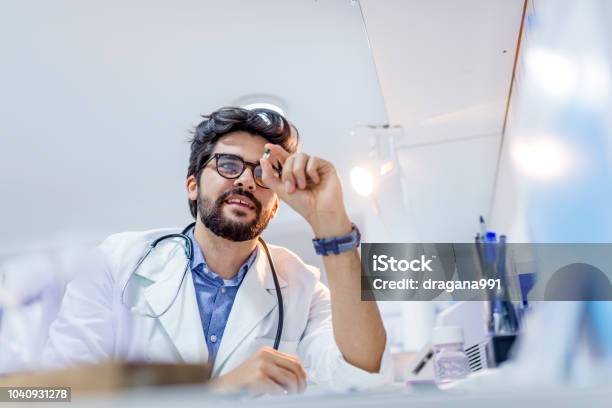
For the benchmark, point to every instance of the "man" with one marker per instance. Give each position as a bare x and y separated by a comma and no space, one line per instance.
242,163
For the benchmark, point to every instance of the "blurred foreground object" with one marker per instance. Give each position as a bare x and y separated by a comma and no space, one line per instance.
562,345
560,146
112,376
32,285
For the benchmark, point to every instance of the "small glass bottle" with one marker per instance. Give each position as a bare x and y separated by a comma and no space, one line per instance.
450,360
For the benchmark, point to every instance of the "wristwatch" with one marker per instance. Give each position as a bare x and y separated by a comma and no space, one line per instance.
338,245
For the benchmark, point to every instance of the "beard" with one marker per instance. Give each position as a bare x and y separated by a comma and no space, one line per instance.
211,215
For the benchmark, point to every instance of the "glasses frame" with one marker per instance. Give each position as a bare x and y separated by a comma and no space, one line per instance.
245,164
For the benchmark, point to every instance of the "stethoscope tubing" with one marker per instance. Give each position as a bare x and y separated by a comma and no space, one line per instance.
189,254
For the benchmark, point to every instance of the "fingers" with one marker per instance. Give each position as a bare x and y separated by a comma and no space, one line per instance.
292,364
286,378
269,175
298,169
267,372
312,169
287,176
278,152
288,363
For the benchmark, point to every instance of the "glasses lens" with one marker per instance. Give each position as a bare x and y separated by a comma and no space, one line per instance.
258,173
230,167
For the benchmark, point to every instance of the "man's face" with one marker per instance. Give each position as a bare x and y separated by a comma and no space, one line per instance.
235,209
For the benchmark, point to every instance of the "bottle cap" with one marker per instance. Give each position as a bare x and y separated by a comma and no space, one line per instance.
447,335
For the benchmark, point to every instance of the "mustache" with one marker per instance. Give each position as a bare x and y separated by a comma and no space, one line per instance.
240,191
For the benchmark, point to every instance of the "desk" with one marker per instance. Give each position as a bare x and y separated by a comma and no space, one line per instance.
390,397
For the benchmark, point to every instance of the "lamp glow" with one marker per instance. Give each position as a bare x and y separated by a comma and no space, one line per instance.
386,168
541,158
362,181
553,72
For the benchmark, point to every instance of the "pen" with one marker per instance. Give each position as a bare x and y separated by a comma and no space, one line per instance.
483,227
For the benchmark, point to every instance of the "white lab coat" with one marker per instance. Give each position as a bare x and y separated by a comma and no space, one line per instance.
94,323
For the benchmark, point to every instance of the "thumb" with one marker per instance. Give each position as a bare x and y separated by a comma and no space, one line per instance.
270,177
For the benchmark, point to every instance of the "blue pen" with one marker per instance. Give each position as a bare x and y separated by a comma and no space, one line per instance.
483,227
490,252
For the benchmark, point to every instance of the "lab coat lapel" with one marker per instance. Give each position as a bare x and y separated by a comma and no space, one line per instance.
254,301
182,320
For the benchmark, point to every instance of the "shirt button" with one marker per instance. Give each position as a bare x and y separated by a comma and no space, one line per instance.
213,338
222,290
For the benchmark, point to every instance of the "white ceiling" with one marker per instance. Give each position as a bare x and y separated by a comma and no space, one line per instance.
444,66
445,69
99,98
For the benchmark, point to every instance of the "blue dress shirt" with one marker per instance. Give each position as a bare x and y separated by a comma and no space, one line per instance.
215,296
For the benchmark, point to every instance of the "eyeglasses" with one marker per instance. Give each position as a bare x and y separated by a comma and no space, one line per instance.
231,166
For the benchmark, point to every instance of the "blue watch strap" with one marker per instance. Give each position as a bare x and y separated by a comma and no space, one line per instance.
337,245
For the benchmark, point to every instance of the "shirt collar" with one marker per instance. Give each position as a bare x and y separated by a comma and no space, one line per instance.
199,265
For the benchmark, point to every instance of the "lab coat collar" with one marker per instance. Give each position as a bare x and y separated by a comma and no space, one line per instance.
265,271
166,268
255,299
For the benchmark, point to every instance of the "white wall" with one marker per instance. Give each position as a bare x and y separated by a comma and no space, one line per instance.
98,99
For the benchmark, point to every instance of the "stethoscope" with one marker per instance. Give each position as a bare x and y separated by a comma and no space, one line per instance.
189,254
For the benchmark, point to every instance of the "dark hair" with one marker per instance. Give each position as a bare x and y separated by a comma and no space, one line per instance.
261,122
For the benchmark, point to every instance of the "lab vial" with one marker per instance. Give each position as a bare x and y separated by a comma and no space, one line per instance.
450,360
